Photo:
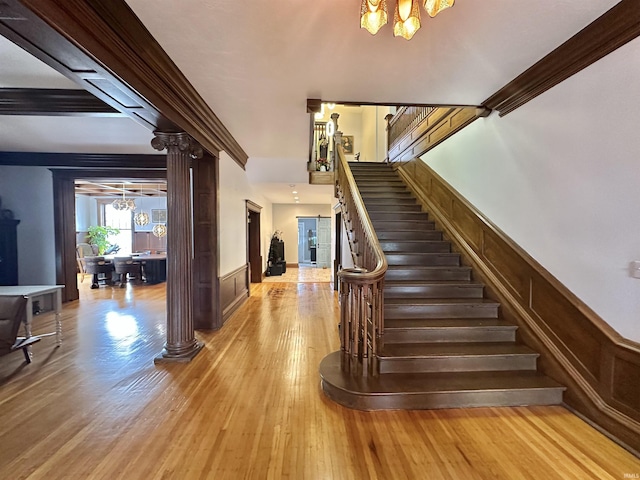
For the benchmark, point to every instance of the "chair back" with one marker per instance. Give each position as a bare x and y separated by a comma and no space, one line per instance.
97,265
13,313
126,265
84,250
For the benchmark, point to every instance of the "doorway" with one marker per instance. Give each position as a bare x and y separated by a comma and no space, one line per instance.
314,241
254,257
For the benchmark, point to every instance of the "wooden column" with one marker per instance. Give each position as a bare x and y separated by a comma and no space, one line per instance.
64,214
181,343
206,289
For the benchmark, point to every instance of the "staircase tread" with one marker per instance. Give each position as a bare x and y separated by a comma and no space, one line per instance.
415,383
439,301
427,323
417,350
421,283
427,267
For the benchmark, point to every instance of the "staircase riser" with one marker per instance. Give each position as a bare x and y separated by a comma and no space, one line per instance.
433,291
438,400
377,188
483,363
427,275
433,235
374,182
440,311
448,335
395,202
398,216
367,195
423,260
415,247
384,207
386,226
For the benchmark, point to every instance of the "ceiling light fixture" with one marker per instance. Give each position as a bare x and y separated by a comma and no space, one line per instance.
123,203
373,15
406,18
434,7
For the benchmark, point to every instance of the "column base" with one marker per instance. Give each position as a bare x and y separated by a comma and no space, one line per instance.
164,357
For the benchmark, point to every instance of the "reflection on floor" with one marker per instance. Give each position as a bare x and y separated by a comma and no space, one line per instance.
302,275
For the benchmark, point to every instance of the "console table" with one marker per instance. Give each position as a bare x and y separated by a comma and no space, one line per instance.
49,295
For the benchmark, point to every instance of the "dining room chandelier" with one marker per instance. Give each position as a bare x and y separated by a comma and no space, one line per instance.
124,203
406,17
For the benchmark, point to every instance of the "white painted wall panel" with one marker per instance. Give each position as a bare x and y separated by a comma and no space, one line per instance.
561,177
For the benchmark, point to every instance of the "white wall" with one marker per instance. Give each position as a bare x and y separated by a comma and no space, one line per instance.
561,177
234,191
86,213
374,134
285,218
28,191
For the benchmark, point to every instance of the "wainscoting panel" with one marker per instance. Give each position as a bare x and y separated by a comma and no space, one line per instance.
600,369
234,291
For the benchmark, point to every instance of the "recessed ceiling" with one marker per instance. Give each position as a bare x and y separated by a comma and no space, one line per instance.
116,188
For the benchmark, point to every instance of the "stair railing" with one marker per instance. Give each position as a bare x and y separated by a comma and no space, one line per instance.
362,287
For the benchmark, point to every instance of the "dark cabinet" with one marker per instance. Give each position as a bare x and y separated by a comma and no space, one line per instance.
9,252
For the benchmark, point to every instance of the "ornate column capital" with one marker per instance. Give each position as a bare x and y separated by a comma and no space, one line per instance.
180,141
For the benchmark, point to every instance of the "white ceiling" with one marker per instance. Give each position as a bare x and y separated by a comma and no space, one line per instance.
256,63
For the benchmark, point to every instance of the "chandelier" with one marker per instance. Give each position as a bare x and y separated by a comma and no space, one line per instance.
141,218
406,17
124,203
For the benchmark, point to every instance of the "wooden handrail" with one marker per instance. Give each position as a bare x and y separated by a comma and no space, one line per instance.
361,288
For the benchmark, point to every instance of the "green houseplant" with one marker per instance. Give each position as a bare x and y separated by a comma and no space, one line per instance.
98,236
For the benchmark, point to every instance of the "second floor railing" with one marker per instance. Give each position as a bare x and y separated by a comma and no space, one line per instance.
405,120
362,287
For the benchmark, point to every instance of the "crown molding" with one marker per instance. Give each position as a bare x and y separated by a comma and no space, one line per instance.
610,31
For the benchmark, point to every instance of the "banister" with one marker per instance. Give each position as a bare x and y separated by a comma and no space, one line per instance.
361,288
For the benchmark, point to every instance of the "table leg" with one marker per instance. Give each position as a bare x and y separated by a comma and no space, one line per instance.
29,319
58,311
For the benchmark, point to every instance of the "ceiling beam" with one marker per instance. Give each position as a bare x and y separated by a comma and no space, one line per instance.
106,49
53,102
141,162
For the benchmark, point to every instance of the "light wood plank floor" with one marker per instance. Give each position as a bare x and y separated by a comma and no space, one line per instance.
250,406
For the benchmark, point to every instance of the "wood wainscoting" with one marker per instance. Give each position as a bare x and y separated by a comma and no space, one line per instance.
234,291
600,368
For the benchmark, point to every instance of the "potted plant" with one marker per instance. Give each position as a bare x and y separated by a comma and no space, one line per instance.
98,236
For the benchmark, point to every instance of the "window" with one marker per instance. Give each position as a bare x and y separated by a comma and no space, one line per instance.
120,219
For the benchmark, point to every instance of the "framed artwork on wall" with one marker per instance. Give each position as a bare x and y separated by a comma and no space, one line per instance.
158,216
347,144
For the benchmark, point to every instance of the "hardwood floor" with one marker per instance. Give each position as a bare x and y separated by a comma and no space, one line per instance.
250,406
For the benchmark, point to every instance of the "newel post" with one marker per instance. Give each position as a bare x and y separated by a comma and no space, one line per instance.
181,344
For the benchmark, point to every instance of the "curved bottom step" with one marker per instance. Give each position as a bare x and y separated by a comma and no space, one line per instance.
420,391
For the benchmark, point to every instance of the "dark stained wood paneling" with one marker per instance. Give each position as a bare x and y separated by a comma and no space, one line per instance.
64,214
143,241
439,125
626,376
207,313
615,28
53,102
87,160
505,264
234,290
107,50
600,368
468,223
574,333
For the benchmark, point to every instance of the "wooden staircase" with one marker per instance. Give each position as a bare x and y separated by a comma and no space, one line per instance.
445,344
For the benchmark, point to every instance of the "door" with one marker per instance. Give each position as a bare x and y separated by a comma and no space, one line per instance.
253,243
323,247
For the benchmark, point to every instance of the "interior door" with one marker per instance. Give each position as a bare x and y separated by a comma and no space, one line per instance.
323,247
